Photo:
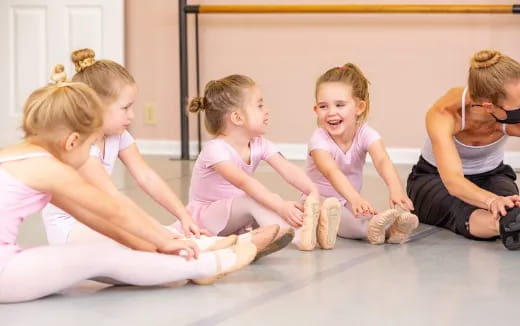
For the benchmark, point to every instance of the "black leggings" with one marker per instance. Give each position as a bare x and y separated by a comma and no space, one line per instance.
435,206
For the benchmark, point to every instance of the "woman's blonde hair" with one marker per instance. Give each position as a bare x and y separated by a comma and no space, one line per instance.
220,97
350,75
489,71
106,77
65,105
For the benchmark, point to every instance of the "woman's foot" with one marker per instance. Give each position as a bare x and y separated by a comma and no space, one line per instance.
403,226
376,229
282,240
230,260
328,223
311,212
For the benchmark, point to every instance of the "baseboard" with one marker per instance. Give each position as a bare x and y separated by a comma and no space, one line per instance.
292,151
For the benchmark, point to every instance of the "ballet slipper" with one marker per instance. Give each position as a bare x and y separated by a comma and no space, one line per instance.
403,226
261,237
311,212
245,253
328,223
223,243
376,229
282,240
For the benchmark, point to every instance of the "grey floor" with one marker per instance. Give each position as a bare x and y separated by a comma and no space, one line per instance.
438,278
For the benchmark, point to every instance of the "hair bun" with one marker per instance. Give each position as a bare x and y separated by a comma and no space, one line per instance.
485,59
83,58
58,74
196,104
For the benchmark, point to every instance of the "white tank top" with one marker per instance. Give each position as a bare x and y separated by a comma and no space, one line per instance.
475,159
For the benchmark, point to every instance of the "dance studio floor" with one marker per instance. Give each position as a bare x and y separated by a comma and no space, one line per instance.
438,278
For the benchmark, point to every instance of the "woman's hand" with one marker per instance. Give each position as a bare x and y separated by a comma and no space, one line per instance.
498,205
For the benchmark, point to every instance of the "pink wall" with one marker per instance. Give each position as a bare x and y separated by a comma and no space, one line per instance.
409,59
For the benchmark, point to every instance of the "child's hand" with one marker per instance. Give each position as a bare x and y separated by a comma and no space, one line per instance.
190,228
401,199
361,206
189,249
292,212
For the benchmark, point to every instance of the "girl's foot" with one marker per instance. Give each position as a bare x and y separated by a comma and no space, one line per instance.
282,240
261,237
222,243
311,212
230,260
376,229
328,223
405,223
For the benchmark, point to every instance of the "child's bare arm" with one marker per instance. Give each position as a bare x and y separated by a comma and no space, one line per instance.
330,170
259,192
100,211
388,173
294,175
156,187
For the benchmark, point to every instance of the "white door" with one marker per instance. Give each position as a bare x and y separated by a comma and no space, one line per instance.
37,34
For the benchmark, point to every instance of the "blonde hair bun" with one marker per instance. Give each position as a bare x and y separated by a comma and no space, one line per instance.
83,58
485,59
58,74
196,104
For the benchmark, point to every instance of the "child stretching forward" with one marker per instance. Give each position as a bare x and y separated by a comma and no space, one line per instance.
224,196
61,123
117,89
337,152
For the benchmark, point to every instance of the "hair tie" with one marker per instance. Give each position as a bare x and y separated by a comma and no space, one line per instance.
342,68
87,62
58,75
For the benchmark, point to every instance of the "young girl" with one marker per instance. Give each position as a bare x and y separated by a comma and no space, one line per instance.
61,122
337,152
117,90
224,197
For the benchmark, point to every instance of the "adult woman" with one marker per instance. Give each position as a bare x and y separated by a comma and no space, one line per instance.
460,182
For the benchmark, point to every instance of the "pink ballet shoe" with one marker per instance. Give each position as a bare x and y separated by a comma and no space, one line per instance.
263,236
223,243
282,240
328,223
376,229
311,212
245,253
403,226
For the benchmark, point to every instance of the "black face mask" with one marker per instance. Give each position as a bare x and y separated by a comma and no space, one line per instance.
512,116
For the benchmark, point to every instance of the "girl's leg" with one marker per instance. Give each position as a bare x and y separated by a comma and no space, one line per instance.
41,271
245,211
352,227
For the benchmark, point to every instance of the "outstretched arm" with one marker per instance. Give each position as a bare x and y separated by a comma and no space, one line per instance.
330,170
95,174
103,213
155,186
294,175
388,173
252,187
